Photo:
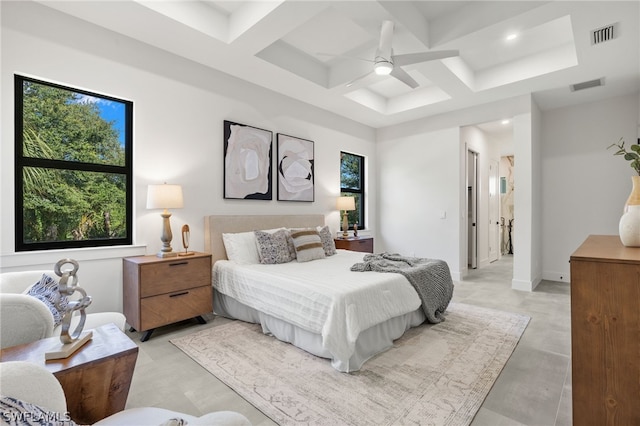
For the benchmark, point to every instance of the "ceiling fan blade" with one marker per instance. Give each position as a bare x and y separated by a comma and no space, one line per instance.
386,35
402,75
355,80
415,58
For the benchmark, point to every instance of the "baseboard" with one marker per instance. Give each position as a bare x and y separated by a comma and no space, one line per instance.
525,285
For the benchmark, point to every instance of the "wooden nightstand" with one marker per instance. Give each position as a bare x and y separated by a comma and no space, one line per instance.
159,291
363,244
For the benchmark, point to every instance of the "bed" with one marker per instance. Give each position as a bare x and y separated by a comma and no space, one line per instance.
320,306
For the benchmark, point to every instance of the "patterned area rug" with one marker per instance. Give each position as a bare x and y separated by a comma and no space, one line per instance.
434,375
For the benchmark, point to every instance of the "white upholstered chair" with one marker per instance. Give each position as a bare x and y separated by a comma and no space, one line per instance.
25,319
35,385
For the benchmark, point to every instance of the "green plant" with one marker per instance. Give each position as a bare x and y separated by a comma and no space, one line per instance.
632,156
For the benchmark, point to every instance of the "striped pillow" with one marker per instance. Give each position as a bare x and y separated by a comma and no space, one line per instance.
308,244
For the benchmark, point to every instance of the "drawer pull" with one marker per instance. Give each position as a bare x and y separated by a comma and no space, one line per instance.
178,263
179,294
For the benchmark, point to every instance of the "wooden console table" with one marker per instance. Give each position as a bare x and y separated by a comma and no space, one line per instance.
96,379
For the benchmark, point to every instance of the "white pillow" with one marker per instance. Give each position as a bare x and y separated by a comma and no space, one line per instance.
241,247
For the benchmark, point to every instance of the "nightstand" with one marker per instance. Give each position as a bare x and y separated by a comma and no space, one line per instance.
363,244
161,291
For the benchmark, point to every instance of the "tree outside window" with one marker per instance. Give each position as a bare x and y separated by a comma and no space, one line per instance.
73,174
352,185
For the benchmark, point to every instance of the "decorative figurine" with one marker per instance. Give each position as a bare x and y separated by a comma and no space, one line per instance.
185,241
67,286
355,229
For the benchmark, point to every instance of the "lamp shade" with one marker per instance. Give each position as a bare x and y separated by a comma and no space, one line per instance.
346,203
164,197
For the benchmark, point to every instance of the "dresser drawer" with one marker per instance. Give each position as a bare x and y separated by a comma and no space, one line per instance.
175,306
180,274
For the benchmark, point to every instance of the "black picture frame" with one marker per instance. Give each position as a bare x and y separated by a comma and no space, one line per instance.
295,167
247,162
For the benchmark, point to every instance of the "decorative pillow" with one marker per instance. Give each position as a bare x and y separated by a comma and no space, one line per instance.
241,247
308,245
273,247
46,290
327,240
17,412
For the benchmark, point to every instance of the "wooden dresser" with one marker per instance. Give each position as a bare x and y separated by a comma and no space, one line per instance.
605,332
160,291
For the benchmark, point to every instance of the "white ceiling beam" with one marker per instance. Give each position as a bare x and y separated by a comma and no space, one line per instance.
192,14
257,25
405,14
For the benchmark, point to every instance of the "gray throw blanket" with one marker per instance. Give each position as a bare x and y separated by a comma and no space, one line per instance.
430,277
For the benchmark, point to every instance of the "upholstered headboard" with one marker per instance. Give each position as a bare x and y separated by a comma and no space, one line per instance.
215,226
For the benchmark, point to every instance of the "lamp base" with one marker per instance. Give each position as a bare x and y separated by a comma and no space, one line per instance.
185,253
164,254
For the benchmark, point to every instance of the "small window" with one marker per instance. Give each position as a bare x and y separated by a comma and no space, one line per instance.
352,184
73,167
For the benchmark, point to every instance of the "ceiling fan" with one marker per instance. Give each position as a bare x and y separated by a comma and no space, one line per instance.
385,62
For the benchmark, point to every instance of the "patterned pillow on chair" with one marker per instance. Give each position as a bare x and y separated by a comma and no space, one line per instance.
46,290
17,412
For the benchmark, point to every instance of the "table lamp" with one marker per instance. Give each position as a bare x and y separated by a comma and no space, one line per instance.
346,204
165,197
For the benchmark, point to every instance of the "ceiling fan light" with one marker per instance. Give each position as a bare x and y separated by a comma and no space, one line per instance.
383,67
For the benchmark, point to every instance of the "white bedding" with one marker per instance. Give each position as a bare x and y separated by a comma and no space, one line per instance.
322,296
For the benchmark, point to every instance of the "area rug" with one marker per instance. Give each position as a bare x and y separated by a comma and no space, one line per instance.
433,375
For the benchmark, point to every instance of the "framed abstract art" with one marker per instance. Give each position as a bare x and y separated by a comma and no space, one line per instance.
247,162
295,169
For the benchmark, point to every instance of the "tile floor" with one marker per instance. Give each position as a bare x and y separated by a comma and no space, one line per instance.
534,389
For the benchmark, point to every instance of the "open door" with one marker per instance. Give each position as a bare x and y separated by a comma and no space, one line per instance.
494,210
472,208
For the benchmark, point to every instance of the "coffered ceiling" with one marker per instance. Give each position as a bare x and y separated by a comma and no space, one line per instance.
321,52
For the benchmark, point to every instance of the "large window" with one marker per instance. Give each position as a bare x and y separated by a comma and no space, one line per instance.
352,184
73,167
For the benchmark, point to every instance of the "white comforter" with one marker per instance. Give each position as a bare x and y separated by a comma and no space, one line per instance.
322,296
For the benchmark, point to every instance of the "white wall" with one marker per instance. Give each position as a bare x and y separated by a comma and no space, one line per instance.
527,263
585,185
424,165
179,108
418,182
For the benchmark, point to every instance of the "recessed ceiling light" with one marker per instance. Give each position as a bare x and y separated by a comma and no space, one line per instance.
506,121
512,36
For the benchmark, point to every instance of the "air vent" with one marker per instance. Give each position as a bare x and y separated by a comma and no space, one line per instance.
603,34
587,84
